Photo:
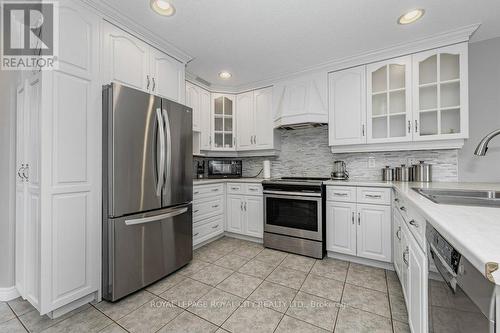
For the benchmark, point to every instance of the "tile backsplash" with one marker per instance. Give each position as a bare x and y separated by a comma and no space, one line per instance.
305,152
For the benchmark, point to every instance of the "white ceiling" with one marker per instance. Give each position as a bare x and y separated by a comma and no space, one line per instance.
258,39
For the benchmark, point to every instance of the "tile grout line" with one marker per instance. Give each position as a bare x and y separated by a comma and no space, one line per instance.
112,320
17,317
264,279
342,296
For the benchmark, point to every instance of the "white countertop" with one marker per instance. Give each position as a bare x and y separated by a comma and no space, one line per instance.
226,180
473,231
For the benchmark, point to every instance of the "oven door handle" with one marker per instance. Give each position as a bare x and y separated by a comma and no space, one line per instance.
299,194
446,273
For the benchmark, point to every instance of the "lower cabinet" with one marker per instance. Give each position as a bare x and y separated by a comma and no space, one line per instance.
411,264
208,212
359,229
245,215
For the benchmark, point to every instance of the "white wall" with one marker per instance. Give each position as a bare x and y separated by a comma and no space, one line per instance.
8,83
484,113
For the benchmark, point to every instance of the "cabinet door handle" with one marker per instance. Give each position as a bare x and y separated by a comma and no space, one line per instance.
154,83
402,208
352,218
340,194
255,139
234,188
245,206
196,192
215,206
215,190
147,80
241,206
196,211
252,189
416,126
396,200
359,218
413,223
19,172
215,226
398,233
210,140
373,196
409,126
405,253
363,130
26,170
196,234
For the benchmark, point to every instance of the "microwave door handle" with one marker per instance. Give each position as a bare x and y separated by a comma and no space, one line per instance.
448,276
168,155
161,170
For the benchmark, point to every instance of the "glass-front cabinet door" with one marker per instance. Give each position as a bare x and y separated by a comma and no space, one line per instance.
440,98
223,107
389,115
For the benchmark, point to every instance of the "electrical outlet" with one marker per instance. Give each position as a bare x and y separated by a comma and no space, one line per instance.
371,162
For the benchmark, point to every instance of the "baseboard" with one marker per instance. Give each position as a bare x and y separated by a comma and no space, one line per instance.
363,261
7,294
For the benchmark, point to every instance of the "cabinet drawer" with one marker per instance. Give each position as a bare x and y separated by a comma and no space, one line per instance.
235,188
374,195
244,189
341,193
254,189
201,191
212,228
208,207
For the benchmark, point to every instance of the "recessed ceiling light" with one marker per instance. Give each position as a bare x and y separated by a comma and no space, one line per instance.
411,16
225,75
163,7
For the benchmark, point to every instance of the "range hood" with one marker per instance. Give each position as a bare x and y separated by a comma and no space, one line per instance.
301,102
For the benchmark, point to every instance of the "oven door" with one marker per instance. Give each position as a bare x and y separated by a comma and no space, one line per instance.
294,215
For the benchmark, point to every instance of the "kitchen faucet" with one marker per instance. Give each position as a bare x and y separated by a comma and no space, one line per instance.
482,147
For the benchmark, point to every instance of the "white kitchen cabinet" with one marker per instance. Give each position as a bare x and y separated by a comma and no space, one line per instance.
208,212
341,227
374,232
254,120
254,220
167,76
205,120
58,236
440,93
132,62
193,99
347,107
126,58
404,258
245,120
245,209
356,228
417,287
388,111
235,217
223,122
396,242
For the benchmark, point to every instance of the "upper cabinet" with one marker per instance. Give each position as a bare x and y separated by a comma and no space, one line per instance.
347,112
440,93
407,100
193,101
132,62
254,120
199,100
389,101
301,100
223,116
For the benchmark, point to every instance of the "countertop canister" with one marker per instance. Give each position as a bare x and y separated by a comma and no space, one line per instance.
422,172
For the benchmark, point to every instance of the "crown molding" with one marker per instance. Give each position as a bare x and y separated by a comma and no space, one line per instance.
446,38
113,15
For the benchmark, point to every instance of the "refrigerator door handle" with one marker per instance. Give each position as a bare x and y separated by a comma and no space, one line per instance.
161,171
157,217
168,136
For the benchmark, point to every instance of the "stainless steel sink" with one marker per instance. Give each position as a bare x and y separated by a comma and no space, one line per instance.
461,197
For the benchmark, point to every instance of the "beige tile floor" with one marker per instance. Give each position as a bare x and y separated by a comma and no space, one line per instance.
238,286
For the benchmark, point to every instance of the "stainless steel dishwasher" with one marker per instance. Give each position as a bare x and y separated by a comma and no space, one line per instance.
464,300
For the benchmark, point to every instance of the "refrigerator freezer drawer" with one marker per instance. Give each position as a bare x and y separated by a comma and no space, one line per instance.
145,248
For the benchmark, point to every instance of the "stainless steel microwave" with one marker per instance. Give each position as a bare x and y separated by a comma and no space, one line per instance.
224,168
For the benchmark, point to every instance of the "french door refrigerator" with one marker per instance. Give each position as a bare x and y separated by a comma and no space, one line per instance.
147,189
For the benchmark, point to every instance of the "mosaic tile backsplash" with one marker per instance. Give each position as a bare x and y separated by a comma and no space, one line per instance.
305,152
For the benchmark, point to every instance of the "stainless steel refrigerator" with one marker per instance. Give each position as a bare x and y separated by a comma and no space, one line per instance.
147,189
